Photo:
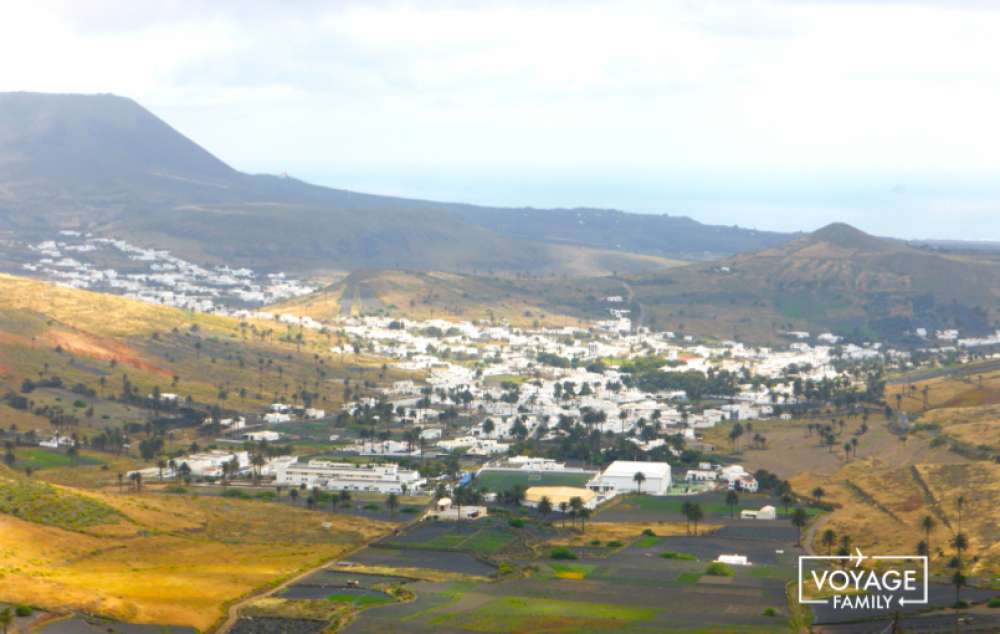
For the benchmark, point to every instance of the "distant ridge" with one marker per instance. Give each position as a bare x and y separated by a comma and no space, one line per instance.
837,279
104,164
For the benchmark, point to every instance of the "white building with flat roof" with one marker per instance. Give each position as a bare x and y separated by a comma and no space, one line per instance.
619,478
337,476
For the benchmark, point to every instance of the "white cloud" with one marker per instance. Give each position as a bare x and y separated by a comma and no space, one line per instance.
885,90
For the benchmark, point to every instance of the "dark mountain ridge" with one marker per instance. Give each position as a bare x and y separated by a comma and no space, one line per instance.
103,163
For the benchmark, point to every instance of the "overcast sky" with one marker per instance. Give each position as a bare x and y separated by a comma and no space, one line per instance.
782,114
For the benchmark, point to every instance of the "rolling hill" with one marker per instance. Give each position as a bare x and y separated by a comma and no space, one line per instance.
82,362
838,279
434,295
105,164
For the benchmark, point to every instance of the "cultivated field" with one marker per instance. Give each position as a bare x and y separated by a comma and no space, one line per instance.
156,558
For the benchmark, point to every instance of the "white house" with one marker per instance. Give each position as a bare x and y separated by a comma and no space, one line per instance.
257,436
738,479
57,441
275,418
765,513
209,463
700,475
734,560
619,478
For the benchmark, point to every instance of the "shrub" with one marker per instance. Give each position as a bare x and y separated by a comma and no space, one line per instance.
769,612
679,556
614,543
648,532
595,542
371,507
994,602
562,553
175,488
235,493
24,610
264,495
517,522
409,510
719,569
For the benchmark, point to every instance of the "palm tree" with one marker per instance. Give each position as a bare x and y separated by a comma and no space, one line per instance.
161,464
686,510
732,499
818,493
576,505
294,494
829,539
639,478
121,479
960,503
6,618
799,520
927,524
392,503
696,515
960,542
922,549
563,507
958,579
584,513
786,501
544,507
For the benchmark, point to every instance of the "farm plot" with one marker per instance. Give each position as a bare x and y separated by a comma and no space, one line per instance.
484,538
631,589
636,508
405,558
94,625
352,587
37,459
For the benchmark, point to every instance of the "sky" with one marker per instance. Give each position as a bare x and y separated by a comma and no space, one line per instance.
774,114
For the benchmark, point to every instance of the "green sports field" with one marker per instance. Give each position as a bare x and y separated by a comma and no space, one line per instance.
498,481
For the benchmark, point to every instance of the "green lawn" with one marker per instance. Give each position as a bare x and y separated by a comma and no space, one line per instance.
688,578
571,571
38,458
498,481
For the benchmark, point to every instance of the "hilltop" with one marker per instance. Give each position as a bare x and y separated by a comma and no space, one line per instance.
837,278
105,164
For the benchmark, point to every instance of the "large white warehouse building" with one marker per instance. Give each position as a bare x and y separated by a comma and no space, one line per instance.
337,476
619,478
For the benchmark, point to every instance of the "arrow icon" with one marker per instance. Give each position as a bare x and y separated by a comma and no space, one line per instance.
903,601
860,557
